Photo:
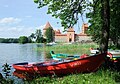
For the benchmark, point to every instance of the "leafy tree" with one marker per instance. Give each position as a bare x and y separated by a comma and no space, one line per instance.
23,39
69,10
38,35
96,22
115,19
32,37
100,22
49,35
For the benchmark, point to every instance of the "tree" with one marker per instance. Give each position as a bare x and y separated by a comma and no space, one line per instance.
32,37
8,40
49,35
96,22
115,19
38,35
69,10
23,39
105,26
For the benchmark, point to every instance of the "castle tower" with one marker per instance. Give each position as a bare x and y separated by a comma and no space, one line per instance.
70,35
84,28
46,27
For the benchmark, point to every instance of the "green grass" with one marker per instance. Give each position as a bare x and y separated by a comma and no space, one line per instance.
99,77
69,49
102,76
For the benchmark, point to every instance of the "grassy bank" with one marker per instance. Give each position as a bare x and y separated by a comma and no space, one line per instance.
99,77
102,76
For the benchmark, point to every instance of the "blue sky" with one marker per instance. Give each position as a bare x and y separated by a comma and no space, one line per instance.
22,17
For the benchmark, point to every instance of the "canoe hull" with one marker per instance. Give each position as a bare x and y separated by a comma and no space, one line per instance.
88,64
24,67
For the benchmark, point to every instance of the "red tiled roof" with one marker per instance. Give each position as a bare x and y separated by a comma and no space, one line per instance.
61,35
70,30
47,26
57,31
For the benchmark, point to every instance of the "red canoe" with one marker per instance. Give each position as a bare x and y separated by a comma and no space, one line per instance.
87,64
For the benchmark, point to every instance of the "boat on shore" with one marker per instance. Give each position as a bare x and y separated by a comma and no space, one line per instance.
114,55
81,65
113,52
60,56
94,51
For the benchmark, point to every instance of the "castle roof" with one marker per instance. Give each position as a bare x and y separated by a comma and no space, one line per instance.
70,30
85,25
57,31
47,26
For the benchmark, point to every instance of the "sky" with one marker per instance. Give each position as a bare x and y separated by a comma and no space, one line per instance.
22,17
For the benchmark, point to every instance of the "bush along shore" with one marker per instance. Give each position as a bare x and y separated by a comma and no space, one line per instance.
107,74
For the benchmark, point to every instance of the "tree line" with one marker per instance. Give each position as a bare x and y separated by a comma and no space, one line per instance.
36,37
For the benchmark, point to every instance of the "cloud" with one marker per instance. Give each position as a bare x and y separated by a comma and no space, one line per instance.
15,32
40,27
9,20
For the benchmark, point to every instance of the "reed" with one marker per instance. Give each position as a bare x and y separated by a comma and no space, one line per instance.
69,48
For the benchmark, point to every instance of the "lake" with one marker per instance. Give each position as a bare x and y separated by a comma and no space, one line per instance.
14,53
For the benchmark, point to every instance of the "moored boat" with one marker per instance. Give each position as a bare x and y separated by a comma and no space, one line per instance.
25,66
60,56
87,64
94,51
114,52
114,55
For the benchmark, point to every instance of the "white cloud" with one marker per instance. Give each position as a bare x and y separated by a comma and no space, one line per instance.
40,27
9,20
15,32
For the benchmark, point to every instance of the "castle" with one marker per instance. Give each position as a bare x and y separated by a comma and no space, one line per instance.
70,35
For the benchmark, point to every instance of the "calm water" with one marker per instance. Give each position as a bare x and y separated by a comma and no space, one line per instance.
14,53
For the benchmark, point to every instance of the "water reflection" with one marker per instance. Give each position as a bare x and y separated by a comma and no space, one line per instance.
15,53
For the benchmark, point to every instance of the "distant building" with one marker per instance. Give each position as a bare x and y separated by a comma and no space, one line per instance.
70,35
